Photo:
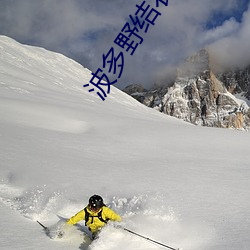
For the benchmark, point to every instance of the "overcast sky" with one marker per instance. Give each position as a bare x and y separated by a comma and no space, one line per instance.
86,29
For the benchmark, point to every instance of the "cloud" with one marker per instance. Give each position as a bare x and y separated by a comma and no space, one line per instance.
233,49
86,29
229,27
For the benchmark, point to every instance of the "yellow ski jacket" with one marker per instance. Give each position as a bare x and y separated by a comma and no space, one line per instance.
94,223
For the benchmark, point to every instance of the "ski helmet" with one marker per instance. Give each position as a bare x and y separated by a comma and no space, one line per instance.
95,202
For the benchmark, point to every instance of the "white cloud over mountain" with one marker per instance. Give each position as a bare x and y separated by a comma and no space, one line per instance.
84,30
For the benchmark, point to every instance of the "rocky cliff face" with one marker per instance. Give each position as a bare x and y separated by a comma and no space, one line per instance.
201,97
237,81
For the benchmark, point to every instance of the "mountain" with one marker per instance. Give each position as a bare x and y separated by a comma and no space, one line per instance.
237,81
182,185
202,97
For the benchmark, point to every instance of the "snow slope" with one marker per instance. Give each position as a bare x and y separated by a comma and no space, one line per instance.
179,184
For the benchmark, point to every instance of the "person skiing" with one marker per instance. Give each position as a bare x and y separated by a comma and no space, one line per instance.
95,214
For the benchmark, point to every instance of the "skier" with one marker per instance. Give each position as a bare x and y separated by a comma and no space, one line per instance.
95,214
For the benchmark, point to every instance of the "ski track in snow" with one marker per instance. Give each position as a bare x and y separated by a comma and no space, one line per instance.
145,214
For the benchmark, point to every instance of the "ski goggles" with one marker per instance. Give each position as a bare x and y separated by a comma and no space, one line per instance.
94,208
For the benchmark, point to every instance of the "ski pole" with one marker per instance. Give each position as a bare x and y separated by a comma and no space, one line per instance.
146,238
45,228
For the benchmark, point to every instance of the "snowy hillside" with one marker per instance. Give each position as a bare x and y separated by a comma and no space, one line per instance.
176,183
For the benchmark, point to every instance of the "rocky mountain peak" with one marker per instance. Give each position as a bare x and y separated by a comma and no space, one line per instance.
202,97
197,64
